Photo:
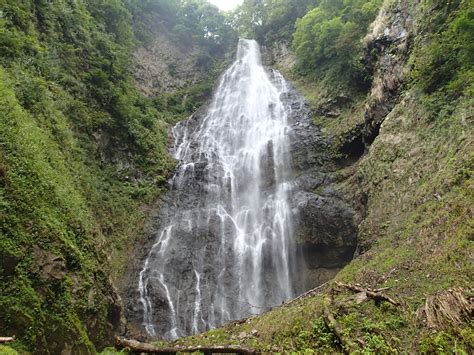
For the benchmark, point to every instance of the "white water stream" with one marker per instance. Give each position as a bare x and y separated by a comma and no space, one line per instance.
229,253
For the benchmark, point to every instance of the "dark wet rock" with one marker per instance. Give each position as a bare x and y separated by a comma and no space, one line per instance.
325,223
8,263
323,226
47,265
331,107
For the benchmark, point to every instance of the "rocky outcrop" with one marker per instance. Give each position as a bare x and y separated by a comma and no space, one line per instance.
47,265
165,66
386,51
279,52
324,221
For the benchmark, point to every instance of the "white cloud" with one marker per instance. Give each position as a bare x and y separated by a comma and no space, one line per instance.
226,4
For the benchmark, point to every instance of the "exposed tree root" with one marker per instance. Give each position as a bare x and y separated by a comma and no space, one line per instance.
348,345
446,308
377,294
138,347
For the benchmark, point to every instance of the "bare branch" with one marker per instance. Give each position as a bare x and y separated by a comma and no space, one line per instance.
374,294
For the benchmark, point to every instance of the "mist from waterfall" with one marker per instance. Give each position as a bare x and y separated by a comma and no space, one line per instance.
225,249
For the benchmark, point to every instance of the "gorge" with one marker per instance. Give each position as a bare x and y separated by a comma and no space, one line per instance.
165,185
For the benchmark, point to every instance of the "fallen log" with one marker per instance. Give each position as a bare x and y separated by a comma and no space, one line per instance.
138,347
374,294
4,340
348,345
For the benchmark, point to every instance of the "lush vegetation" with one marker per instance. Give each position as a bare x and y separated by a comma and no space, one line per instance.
328,40
445,63
269,20
190,22
81,153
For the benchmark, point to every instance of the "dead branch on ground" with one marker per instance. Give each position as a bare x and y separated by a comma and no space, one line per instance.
377,294
306,294
139,347
348,345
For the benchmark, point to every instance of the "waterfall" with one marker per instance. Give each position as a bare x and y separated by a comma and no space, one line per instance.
225,248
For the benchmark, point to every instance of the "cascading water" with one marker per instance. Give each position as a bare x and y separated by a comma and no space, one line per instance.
225,250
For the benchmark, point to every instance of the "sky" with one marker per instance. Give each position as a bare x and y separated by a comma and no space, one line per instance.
226,4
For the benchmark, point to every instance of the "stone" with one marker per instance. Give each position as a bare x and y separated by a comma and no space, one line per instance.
242,335
48,265
8,263
333,114
323,224
360,297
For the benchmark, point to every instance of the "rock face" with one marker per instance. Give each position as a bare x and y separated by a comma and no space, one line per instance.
323,231
324,221
386,51
165,66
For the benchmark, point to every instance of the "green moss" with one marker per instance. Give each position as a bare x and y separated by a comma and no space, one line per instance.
6,350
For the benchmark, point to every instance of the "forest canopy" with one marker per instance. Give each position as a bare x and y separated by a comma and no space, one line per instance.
326,35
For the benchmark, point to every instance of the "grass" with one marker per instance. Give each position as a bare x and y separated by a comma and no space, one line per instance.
6,350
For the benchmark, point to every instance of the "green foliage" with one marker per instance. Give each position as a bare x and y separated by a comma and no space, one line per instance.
447,62
328,39
81,151
323,338
375,344
191,22
268,20
6,350
443,342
